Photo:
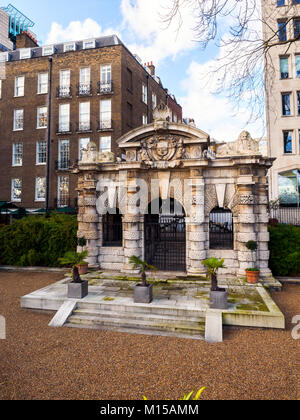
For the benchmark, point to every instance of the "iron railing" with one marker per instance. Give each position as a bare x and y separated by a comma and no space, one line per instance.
286,215
221,229
64,91
62,202
64,128
105,88
105,125
62,165
84,89
83,127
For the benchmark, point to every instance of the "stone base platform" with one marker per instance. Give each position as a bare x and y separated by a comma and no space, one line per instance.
179,307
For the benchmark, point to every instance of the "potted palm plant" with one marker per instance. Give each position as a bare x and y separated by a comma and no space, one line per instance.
218,296
252,274
78,288
143,293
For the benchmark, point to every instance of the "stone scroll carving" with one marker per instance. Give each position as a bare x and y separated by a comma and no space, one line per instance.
162,152
244,145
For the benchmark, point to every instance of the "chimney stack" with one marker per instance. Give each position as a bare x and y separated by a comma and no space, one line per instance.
151,67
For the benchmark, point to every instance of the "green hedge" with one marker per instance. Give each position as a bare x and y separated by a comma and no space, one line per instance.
285,250
38,240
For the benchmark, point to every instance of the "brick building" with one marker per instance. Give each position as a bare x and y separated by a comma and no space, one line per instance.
57,98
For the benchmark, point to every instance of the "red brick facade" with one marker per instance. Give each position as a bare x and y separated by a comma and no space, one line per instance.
127,110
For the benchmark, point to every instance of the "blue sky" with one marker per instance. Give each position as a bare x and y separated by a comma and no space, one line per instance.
180,62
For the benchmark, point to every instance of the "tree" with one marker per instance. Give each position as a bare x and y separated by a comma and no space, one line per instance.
143,265
213,265
74,259
246,37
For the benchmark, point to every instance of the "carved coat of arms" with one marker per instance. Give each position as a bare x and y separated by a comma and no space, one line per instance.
162,152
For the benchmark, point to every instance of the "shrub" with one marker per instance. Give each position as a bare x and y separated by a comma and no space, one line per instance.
285,250
37,240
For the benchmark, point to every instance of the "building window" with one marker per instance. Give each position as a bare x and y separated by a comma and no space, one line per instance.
25,53
105,114
154,101
282,33
288,142
286,104
297,29
221,229
83,143
112,230
129,80
145,119
49,50
40,189
297,62
129,114
64,83
105,144
280,2
298,103
16,190
63,191
41,152
42,83
284,68
0,89
70,46
144,94
85,81
64,118
289,188
84,116
18,119
105,79
42,117
19,86
63,155
17,157
91,43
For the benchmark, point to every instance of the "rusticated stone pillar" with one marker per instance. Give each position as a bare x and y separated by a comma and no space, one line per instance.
88,218
246,223
196,235
132,226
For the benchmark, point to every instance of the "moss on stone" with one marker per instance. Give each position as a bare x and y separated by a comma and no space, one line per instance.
109,299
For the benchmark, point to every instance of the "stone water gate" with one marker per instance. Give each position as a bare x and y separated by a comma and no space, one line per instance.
175,198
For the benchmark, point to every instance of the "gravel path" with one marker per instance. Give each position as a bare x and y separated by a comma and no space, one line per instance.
38,362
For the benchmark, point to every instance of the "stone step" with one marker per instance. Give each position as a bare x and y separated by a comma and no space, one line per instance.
138,316
161,310
132,324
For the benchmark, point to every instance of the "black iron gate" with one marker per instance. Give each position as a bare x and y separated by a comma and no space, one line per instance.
165,242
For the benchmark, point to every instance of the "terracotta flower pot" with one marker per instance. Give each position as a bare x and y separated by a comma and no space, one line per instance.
252,277
83,269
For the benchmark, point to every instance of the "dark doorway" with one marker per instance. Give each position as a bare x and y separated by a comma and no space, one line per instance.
221,229
165,238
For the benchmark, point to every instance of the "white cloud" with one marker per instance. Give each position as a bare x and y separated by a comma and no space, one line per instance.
77,30
213,113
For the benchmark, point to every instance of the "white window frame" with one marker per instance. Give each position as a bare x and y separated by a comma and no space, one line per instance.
66,117
39,127
37,198
82,146
62,82
84,115
145,119
40,84
106,149
106,115
0,89
62,156
145,93
14,154
154,101
48,50
62,178
13,199
38,143
19,87
25,53
14,122
69,46
88,41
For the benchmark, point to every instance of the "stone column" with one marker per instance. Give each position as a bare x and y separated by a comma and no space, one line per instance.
88,219
246,223
132,226
263,253
196,235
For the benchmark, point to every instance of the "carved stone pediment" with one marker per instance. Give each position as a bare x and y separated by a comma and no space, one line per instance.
245,145
162,152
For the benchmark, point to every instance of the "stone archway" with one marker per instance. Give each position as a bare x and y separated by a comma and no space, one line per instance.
165,237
